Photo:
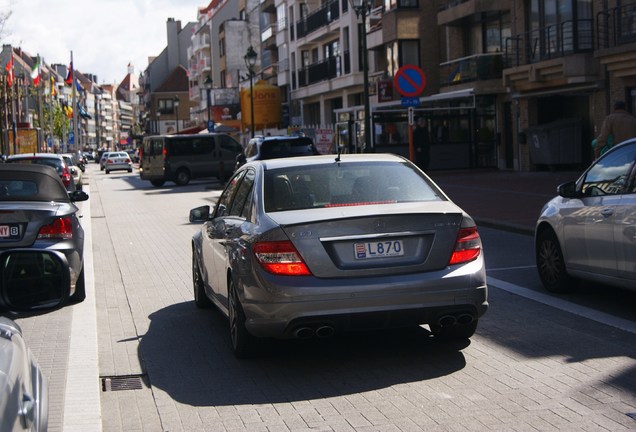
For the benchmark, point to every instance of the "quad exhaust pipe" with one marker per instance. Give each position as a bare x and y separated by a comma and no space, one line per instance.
451,320
321,331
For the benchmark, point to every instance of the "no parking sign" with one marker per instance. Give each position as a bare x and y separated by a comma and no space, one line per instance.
410,81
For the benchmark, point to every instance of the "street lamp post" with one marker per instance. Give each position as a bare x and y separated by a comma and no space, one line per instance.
158,115
208,88
250,62
175,101
363,8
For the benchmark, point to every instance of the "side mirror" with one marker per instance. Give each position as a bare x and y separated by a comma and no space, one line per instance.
568,190
33,280
200,214
73,171
240,158
78,195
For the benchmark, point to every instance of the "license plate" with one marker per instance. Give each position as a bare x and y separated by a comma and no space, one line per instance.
11,231
378,249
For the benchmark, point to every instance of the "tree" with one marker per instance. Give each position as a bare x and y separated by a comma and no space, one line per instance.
4,17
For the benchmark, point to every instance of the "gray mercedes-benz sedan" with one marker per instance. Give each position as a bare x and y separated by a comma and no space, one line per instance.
312,246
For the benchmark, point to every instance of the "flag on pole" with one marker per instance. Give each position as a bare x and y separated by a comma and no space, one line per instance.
35,72
78,86
69,75
9,69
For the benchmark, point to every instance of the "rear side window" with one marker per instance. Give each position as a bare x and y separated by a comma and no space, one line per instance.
190,146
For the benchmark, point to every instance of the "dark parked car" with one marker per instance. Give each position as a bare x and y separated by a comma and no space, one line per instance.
271,147
39,213
51,159
311,246
589,230
34,281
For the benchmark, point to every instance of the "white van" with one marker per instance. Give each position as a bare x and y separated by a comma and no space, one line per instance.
180,158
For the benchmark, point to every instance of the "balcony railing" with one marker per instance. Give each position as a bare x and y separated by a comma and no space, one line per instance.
477,67
565,38
321,71
317,19
616,26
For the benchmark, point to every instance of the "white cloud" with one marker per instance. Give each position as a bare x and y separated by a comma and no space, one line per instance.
104,35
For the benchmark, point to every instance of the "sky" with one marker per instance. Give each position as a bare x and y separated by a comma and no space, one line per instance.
104,35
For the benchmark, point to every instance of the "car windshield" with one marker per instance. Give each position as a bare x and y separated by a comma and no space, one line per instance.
345,184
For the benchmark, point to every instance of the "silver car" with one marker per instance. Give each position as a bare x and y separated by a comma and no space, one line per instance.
589,230
312,246
117,161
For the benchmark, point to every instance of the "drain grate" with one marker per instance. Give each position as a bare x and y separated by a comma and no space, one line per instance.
120,383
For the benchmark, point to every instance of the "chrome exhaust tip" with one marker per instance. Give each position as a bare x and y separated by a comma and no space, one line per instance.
325,331
447,320
304,332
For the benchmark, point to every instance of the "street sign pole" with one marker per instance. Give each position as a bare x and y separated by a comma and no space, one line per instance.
410,82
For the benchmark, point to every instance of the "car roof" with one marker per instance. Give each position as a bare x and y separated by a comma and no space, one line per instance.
328,159
35,155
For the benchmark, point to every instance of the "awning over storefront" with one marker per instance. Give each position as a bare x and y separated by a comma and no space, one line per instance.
433,102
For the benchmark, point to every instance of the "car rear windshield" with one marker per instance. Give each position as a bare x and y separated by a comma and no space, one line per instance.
285,148
21,186
56,163
345,184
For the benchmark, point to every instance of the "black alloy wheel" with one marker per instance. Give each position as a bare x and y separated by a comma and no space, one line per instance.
200,297
80,289
551,264
182,178
242,341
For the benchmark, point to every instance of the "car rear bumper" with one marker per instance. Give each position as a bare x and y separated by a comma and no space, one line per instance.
366,304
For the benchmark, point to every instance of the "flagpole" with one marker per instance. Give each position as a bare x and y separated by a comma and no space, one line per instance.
38,89
73,106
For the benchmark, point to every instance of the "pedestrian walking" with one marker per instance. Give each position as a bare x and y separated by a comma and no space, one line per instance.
422,144
617,127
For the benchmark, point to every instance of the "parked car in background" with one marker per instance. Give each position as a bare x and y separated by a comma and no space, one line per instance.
270,147
117,161
311,246
33,282
588,231
75,169
39,213
50,159
180,158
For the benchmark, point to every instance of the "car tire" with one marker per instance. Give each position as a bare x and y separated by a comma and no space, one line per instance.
455,332
182,177
201,299
157,183
243,343
80,289
551,264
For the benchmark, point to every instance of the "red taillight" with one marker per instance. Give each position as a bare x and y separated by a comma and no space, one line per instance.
127,160
280,258
467,246
61,228
66,176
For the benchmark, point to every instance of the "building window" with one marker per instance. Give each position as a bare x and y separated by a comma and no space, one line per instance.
401,4
166,106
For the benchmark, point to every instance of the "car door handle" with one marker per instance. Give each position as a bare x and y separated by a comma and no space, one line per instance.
607,212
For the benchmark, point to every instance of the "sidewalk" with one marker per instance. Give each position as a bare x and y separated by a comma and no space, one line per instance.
502,199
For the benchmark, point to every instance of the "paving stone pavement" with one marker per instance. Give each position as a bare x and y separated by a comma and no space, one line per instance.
530,367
